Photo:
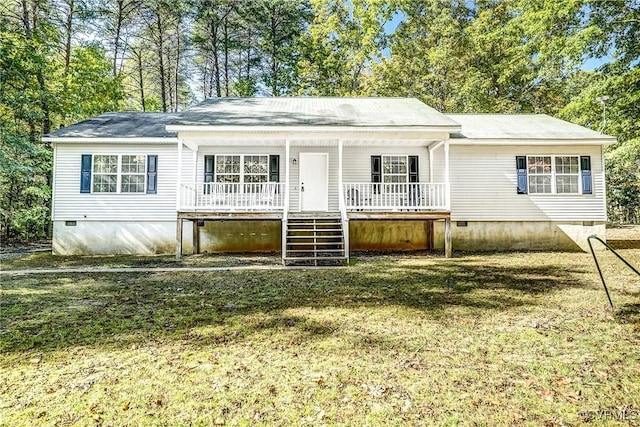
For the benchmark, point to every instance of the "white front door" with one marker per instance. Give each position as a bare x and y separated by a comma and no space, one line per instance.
314,181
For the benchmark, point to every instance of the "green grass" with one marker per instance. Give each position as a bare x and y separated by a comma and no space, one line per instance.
47,260
499,339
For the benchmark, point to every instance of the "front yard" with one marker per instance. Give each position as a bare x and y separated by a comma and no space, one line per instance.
498,339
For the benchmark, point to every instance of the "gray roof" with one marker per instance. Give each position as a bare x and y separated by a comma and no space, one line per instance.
521,126
314,111
119,125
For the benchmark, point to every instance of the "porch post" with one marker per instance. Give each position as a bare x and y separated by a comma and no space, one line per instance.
342,202
447,238
340,187
179,237
285,213
179,180
178,196
447,178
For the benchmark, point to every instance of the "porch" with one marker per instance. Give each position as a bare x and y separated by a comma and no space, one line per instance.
271,196
316,179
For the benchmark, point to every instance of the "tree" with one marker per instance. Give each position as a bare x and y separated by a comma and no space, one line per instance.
340,46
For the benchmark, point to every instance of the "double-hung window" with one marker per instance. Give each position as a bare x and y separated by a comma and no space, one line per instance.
119,173
242,169
553,174
394,169
394,173
105,173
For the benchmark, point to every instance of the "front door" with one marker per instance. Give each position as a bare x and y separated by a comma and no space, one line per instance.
314,181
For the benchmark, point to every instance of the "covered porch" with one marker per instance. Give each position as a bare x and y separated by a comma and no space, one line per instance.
314,176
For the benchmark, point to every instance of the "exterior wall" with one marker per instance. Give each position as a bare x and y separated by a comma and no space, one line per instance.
70,204
112,223
357,161
240,236
483,186
519,235
439,174
388,235
119,237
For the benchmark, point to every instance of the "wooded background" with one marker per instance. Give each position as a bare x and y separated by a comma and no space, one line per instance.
65,60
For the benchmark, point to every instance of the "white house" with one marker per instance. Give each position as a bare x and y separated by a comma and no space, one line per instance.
317,177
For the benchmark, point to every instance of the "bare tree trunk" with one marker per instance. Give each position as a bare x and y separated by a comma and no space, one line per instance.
226,55
177,69
116,45
68,28
163,87
216,61
138,55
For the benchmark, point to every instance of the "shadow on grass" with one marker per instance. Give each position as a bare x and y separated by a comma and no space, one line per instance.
54,312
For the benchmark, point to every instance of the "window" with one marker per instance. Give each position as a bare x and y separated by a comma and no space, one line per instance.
248,169
567,174
119,173
394,169
105,174
133,174
228,169
256,168
553,174
540,176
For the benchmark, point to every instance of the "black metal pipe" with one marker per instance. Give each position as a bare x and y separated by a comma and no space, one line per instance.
595,259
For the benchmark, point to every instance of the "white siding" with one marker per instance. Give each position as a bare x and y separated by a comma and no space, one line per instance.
70,204
357,161
439,169
228,149
483,186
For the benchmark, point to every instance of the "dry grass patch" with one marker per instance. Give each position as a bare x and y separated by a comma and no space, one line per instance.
502,339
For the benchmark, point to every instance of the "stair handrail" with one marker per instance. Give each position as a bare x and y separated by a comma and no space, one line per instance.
595,259
345,220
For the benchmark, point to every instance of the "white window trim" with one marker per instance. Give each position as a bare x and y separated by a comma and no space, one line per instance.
242,173
119,174
553,174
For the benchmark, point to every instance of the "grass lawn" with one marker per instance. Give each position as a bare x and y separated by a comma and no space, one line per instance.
497,339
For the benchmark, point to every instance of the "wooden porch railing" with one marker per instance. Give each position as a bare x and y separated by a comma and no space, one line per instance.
217,196
396,196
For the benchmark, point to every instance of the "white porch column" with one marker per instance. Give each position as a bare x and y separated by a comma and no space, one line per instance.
447,178
340,188
287,175
179,180
178,196
285,213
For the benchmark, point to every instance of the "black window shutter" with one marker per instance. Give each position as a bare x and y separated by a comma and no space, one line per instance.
85,174
585,168
152,174
274,168
376,172
521,166
413,169
209,161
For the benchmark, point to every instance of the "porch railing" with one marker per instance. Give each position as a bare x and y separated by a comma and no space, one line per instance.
217,196
396,196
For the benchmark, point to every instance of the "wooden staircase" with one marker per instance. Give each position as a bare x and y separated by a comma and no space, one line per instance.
315,240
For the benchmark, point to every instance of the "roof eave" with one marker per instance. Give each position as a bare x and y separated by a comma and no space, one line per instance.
105,140
312,129
533,141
